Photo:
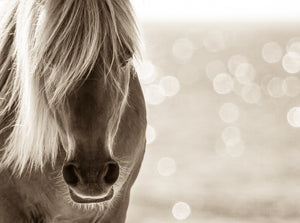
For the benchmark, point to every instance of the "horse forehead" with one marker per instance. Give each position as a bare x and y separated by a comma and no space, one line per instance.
91,100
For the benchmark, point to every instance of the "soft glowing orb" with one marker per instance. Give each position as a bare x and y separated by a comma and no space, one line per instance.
229,113
170,85
181,211
223,83
245,73
291,62
150,134
234,61
146,72
166,166
275,88
215,67
154,94
293,117
272,52
183,49
251,93
293,45
291,86
214,41
231,136
236,150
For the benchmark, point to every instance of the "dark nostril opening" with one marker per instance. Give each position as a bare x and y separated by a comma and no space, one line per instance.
112,173
70,175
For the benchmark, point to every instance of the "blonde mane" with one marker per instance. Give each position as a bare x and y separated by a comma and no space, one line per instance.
47,49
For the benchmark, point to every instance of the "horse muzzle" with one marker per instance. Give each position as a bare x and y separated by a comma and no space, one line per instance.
89,184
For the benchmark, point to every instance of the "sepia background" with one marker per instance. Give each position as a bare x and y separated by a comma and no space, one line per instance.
221,81
222,86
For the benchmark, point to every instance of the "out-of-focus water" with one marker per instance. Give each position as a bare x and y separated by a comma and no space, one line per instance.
223,144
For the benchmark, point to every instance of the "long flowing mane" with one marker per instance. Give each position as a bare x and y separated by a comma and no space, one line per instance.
47,49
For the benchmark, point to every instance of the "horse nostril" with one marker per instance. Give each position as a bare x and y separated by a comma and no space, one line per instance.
70,175
112,173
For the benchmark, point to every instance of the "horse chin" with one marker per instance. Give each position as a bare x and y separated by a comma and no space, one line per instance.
90,200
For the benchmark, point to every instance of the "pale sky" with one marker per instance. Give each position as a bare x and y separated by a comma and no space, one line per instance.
151,10
217,9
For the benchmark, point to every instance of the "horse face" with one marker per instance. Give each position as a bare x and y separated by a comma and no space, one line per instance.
101,163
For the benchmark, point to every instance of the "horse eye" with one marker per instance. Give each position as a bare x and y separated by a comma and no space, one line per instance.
124,62
125,57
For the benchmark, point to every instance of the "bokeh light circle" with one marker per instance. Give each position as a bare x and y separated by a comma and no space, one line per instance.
272,52
275,88
231,136
223,83
183,49
234,61
293,45
251,93
215,67
166,166
181,211
291,86
291,62
245,73
150,134
229,113
154,94
146,72
293,117
170,85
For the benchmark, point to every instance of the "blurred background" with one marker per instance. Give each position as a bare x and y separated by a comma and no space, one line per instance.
221,81
222,86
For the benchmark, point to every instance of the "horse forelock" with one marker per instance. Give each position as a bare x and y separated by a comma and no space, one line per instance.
56,46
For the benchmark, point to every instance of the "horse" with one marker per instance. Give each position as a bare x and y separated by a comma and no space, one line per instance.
72,111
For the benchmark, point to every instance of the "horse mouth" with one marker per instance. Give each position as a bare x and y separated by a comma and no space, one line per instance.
87,200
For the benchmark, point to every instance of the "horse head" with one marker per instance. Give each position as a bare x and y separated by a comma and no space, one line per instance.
76,100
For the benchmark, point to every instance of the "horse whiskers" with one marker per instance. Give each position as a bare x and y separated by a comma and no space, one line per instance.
98,207
63,191
123,175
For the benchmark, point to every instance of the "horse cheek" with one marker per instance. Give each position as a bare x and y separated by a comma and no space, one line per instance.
130,137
